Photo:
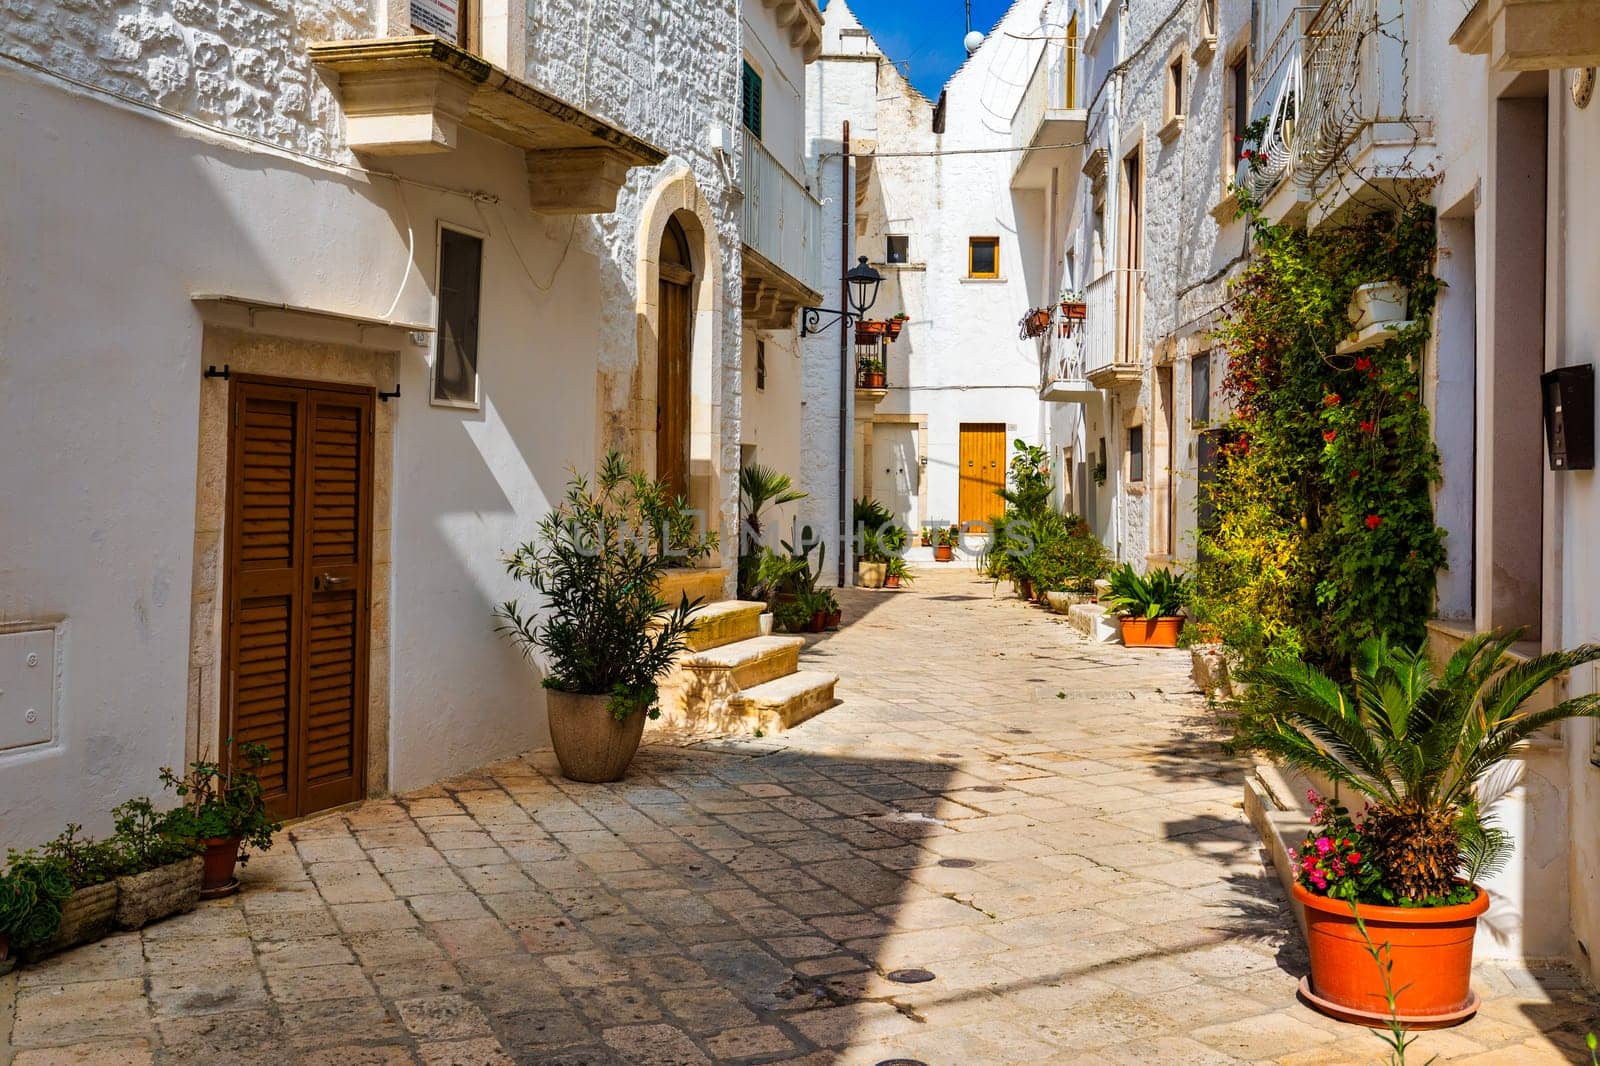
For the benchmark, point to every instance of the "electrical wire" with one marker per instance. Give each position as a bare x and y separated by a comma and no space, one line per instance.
555,272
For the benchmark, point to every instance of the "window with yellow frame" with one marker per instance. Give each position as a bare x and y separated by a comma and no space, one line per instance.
983,257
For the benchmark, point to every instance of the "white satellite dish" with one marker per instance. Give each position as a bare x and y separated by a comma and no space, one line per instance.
973,41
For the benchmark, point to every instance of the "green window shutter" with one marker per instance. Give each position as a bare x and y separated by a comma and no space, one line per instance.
752,100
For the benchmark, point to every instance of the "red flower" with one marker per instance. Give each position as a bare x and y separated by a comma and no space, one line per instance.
1354,474
1331,435
1368,427
1331,400
1373,521
1353,858
1363,363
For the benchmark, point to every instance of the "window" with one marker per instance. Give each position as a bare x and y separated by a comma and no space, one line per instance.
1070,86
455,354
1175,88
983,257
1136,453
761,365
1200,389
1208,18
897,249
751,109
1237,88
452,20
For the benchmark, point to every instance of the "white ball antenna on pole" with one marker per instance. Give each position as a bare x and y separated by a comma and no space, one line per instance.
974,39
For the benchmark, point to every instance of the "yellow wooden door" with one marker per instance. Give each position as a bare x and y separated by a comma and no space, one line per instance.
983,469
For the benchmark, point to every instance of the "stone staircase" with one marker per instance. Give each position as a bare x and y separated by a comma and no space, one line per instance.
734,680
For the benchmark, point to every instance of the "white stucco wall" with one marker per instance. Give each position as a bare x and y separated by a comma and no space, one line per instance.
959,358
114,215
783,83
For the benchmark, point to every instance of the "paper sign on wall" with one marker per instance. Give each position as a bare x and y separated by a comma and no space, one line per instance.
439,17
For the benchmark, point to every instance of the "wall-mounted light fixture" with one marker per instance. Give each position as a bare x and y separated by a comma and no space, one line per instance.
862,283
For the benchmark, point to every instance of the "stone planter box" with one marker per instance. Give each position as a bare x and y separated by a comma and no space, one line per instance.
157,894
88,915
871,575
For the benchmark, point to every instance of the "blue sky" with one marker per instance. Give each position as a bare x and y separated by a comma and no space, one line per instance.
926,34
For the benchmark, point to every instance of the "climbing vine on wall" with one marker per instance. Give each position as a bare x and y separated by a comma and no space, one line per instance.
1324,531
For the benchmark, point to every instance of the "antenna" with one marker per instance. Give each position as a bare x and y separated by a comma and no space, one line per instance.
969,16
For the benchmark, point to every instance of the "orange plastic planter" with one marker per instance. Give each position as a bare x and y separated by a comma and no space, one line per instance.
1430,947
1151,632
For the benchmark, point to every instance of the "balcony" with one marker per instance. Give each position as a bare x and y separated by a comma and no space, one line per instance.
1113,330
413,95
782,241
1358,142
1275,92
1063,367
1051,112
1532,34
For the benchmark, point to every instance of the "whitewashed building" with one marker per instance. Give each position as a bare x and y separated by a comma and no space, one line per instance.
936,205
306,319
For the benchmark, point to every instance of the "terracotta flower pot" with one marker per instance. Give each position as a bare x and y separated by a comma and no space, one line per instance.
834,617
1151,632
1430,949
1074,312
591,745
221,855
819,621
874,379
892,581
893,327
943,553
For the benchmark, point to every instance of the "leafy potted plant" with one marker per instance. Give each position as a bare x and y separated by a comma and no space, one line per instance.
1150,606
1416,742
1098,472
32,893
159,870
870,518
944,544
760,487
835,612
870,372
225,811
606,633
894,325
1073,307
897,574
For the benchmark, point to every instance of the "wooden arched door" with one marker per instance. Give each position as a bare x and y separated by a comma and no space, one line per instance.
672,359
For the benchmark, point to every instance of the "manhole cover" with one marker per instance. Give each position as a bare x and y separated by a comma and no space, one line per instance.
909,976
988,788
958,864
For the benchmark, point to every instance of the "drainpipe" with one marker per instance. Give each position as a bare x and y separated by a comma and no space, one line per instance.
846,197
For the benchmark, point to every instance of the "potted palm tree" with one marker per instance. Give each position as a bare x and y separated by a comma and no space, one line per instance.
606,634
1150,606
1415,742
760,487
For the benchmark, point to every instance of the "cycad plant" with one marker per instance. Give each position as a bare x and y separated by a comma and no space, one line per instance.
1416,741
763,487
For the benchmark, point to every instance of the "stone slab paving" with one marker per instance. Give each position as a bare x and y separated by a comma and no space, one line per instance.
1046,826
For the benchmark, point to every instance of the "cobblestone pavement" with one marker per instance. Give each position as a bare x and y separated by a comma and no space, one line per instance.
1045,826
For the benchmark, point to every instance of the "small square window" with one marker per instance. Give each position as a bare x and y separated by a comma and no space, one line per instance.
1136,453
983,257
761,365
897,249
455,355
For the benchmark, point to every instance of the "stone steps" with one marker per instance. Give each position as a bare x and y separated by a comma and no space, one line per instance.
724,622
702,684
786,702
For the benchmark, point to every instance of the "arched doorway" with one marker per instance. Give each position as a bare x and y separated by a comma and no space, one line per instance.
673,359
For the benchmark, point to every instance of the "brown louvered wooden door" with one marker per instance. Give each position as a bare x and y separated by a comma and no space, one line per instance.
300,500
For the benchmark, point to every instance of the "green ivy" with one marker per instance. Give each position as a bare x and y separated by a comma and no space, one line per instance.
1325,531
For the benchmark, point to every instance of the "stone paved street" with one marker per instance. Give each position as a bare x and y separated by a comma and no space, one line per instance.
1046,826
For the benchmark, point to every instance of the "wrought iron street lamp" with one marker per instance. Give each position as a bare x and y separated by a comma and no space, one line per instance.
861,282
